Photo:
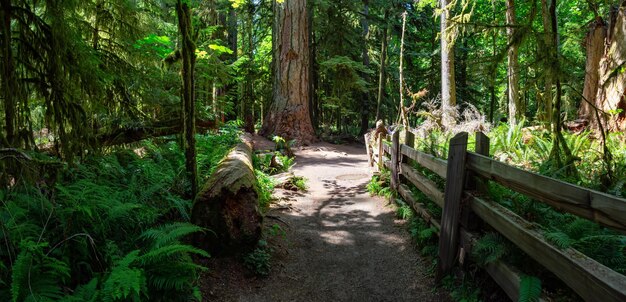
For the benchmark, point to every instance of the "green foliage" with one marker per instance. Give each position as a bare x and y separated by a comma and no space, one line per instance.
299,182
379,185
529,289
111,229
424,236
404,211
265,189
490,248
259,260
559,239
463,290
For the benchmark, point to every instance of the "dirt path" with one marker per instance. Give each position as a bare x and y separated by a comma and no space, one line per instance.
340,243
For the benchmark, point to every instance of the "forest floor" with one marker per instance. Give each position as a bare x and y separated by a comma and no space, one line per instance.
338,244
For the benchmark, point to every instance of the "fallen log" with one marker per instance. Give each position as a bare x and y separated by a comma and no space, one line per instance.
228,205
127,135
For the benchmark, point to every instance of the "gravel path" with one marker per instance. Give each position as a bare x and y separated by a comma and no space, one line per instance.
340,243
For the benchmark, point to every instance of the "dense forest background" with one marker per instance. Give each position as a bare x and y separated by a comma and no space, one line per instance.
83,80
75,75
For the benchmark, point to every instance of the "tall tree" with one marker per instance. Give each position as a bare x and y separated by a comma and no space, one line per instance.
365,26
383,59
7,76
188,113
448,87
513,65
550,44
289,113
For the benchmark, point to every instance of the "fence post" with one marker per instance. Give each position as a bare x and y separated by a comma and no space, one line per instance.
381,151
368,148
409,140
482,148
395,152
449,237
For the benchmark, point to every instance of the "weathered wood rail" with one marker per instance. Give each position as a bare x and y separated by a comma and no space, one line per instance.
463,204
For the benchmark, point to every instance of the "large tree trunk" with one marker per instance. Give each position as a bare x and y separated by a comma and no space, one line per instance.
183,11
594,45
513,65
289,113
611,97
365,109
228,205
448,86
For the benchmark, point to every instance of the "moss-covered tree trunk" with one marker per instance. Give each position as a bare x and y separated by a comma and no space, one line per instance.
288,115
545,106
188,114
513,65
228,205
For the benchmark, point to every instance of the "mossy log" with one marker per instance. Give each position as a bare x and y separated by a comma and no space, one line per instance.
228,205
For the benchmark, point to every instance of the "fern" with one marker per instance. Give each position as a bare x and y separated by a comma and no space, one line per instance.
559,239
169,233
490,248
530,289
124,281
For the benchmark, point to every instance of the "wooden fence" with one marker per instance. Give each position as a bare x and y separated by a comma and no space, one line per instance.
466,174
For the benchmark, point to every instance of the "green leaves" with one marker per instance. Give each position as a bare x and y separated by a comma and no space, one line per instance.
530,289
490,248
125,282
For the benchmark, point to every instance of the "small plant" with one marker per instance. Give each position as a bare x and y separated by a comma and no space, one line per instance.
461,290
490,248
403,211
265,189
298,183
259,260
277,230
529,289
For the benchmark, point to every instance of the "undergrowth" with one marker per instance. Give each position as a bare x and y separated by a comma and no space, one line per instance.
111,228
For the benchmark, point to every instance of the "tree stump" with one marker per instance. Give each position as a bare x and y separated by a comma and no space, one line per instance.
228,205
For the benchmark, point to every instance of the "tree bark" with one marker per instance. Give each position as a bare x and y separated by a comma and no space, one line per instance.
289,116
611,96
513,65
448,86
229,206
594,46
183,11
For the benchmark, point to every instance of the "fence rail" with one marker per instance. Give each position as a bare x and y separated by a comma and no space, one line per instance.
463,205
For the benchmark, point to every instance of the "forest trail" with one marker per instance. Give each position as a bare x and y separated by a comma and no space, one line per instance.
340,244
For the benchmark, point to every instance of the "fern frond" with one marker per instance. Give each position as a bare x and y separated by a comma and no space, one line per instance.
559,239
125,282
163,253
530,289
490,248
169,233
